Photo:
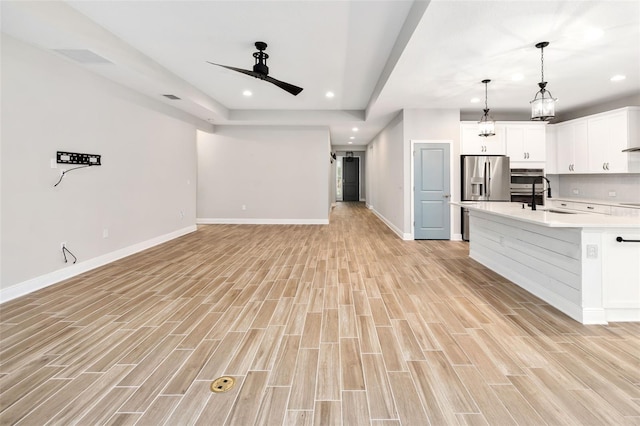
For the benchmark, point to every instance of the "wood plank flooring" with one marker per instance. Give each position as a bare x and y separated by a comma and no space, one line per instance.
319,325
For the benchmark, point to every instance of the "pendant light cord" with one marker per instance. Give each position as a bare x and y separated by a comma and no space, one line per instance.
542,62
486,105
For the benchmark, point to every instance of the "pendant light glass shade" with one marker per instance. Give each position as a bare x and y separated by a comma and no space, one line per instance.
543,105
486,125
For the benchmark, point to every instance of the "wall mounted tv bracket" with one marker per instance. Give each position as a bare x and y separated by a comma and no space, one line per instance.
77,158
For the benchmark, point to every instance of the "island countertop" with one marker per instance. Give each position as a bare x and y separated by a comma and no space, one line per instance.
543,217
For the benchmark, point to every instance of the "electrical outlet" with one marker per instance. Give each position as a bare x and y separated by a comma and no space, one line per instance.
105,233
244,207
592,251
54,165
612,193
181,214
575,191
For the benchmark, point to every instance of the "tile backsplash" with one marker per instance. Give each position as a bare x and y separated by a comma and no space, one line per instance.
617,188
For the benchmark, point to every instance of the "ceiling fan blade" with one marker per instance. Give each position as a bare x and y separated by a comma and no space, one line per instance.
243,71
294,90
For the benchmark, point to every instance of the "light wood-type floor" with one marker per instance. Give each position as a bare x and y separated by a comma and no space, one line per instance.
319,325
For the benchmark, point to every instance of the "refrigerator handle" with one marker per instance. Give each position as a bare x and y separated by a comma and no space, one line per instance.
485,182
488,178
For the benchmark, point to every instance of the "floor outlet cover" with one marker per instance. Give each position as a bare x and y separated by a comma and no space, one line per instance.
222,384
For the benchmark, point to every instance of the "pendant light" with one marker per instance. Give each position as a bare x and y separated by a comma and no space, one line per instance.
486,125
543,106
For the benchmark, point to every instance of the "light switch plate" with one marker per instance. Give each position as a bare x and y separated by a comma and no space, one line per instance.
592,251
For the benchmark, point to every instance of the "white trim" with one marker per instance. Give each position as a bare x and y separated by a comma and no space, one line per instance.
255,221
395,229
412,219
456,237
55,277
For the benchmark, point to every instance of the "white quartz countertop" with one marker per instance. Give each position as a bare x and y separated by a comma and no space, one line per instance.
629,205
545,218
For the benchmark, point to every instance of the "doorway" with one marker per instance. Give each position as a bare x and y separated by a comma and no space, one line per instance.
350,179
431,191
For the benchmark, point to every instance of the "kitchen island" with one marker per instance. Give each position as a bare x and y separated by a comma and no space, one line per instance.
572,261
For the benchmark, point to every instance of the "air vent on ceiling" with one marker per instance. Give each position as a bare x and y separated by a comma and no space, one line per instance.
83,56
172,97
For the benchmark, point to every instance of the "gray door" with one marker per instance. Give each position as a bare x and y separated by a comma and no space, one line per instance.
431,191
351,179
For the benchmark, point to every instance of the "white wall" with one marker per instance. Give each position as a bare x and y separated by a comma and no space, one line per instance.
389,159
147,178
280,174
385,175
432,124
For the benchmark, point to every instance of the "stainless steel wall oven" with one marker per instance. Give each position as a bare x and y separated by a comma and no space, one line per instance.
521,186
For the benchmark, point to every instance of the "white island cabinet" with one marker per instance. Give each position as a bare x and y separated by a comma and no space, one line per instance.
572,261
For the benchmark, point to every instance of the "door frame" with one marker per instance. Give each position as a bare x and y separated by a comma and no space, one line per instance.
413,142
335,176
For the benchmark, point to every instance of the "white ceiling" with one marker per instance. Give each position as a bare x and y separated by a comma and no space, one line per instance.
377,56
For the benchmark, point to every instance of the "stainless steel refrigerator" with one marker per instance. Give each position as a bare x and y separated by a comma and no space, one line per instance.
484,178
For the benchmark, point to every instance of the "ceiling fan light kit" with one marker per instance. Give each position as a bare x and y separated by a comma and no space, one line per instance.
261,70
486,125
543,105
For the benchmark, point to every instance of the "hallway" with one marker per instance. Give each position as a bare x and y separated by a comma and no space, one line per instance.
338,324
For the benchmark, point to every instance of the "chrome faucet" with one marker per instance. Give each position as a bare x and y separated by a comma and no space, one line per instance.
533,190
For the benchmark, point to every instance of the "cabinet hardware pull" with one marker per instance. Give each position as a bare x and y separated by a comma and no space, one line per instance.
590,208
622,240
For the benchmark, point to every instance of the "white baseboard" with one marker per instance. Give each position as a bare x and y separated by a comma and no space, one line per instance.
456,237
395,229
55,277
252,221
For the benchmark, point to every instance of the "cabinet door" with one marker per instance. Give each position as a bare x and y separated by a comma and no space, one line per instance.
564,145
534,143
515,143
580,147
607,139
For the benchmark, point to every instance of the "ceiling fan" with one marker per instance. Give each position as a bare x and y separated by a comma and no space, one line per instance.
261,70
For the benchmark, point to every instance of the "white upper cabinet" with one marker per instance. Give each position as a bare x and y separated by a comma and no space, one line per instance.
526,142
607,139
594,144
472,144
571,145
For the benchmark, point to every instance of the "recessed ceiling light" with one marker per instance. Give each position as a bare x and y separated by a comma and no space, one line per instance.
352,137
355,129
349,142
247,93
517,77
591,34
618,77
330,95
475,100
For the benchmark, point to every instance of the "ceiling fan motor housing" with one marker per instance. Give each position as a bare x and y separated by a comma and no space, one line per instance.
261,59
